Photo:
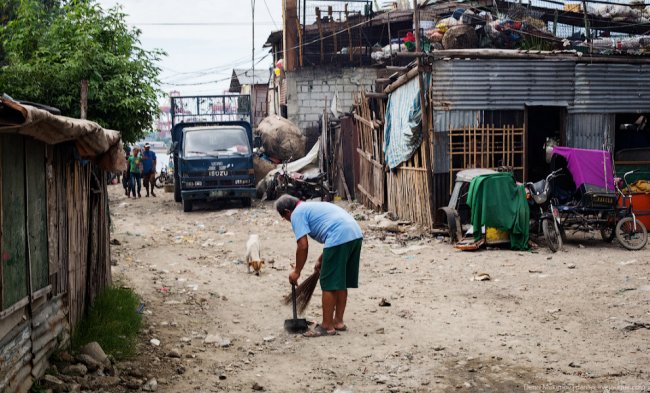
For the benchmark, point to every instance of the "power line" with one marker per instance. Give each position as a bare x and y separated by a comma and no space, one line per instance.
269,11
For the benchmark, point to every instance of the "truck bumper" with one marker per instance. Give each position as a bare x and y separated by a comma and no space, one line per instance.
221,193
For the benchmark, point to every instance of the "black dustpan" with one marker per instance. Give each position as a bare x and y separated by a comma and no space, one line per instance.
295,325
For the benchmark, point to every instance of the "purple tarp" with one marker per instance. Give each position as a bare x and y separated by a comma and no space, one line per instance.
593,167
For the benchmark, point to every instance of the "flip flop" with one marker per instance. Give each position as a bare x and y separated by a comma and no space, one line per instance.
344,328
319,331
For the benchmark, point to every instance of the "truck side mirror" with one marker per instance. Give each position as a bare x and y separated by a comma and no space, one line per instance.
173,148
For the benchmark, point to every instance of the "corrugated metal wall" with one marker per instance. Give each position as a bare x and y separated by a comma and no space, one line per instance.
443,121
589,130
612,88
501,84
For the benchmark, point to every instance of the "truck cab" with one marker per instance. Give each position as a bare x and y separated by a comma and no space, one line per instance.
213,160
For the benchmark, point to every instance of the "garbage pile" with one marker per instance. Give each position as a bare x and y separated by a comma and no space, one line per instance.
281,139
521,28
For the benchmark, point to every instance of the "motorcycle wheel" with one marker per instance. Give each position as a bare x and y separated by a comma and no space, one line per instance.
629,237
177,190
271,190
552,234
159,183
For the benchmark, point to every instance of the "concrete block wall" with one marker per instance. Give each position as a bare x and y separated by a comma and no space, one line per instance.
308,87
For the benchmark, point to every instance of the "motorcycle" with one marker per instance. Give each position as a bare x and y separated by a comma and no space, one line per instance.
163,178
544,214
302,186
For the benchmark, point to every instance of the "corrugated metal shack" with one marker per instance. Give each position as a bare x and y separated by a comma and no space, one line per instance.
496,108
54,237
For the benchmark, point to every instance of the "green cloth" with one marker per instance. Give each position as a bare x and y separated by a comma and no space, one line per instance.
134,164
496,201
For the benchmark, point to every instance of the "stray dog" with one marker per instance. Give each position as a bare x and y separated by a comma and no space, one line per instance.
253,254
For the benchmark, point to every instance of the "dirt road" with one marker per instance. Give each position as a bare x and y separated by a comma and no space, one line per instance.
543,322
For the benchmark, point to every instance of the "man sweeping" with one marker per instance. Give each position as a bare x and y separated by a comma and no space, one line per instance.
338,264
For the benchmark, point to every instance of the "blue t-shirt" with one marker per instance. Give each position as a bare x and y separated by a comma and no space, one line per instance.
324,222
148,157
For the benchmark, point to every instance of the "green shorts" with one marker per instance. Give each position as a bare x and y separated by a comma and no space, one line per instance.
340,268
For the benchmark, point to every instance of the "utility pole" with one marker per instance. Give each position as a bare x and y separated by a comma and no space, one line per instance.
253,104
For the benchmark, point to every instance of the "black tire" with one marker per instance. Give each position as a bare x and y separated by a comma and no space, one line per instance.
552,234
246,202
177,189
159,183
629,237
608,233
187,206
271,190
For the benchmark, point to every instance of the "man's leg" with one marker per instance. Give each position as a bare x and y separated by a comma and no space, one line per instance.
145,180
329,303
339,310
152,181
138,178
132,184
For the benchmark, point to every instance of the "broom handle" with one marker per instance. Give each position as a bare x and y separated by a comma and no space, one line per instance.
293,298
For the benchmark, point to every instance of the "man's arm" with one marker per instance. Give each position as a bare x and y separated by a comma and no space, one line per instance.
302,250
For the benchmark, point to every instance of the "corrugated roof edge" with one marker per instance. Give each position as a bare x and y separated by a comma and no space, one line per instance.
102,146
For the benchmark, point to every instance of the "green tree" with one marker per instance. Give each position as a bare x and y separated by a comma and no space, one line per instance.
51,46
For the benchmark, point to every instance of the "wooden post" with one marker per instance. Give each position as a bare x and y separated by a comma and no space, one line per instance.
347,24
319,22
423,104
299,28
390,39
331,20
84,99
290,15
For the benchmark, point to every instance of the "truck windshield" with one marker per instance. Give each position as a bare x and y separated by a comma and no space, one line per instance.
216,142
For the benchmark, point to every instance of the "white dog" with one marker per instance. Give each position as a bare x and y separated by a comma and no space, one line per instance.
253,254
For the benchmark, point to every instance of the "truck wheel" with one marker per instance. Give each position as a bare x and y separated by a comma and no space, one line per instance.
177,190
246,202
187,206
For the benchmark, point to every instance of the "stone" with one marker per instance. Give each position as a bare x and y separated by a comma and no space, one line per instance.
51,382
99,383
269,339
257,387
90,362
94,350
155,342
78,370
133,384
211,339
180,370
66,357
174,353
381,379
571,266
151,385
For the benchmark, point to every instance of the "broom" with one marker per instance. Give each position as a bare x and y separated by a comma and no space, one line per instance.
304,291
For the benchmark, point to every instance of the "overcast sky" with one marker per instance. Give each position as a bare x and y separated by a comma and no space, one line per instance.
204,39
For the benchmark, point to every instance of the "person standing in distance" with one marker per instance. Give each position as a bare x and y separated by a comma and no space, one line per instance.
338,264
149,169
135,171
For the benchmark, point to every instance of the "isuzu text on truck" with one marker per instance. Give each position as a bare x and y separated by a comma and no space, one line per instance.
212,148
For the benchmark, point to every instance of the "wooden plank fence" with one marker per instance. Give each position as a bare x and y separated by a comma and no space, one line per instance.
372,181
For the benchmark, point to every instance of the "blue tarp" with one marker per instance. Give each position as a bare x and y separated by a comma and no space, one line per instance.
403,126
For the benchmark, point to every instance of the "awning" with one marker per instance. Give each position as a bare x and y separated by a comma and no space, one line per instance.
93,142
